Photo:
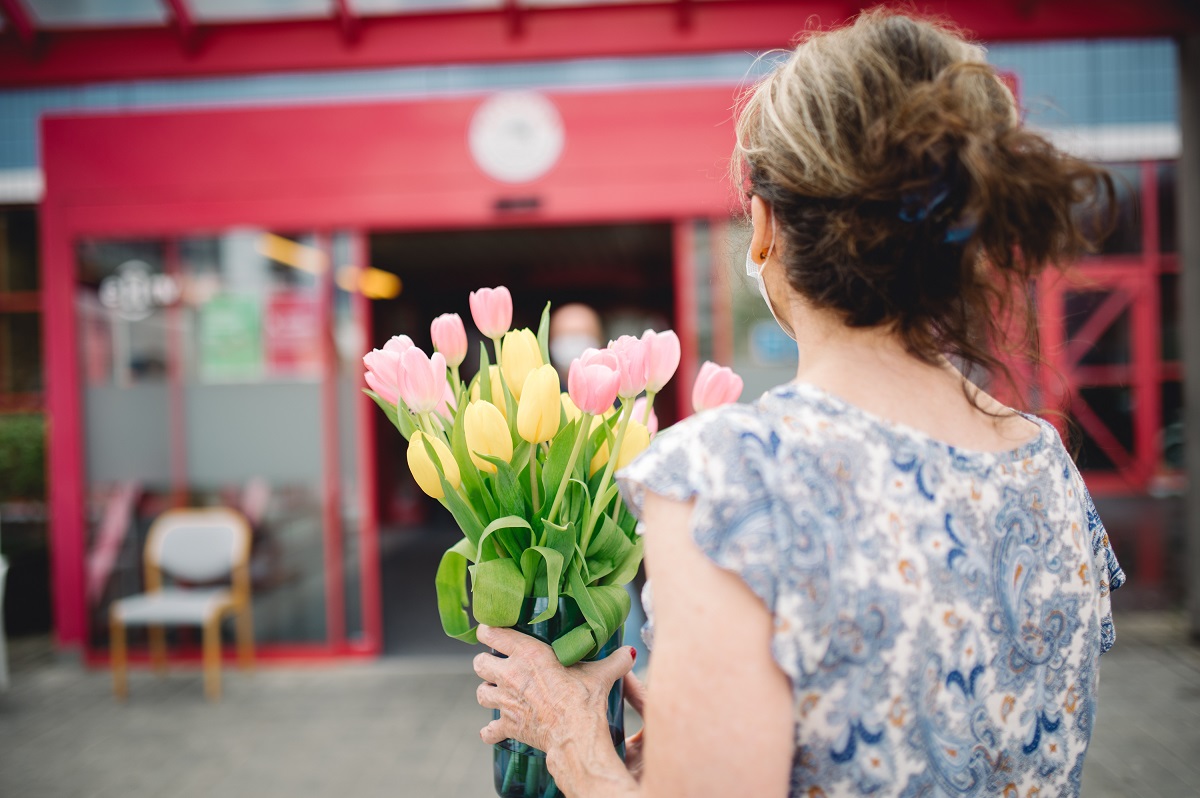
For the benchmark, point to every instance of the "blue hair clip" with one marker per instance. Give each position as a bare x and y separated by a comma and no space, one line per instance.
915,207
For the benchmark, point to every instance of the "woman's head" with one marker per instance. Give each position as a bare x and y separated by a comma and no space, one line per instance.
905,191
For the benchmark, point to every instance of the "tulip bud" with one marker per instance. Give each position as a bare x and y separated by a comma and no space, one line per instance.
637,438
486,433
593,381
491,308
519,355
425,471
422,379
539,409
639,414
569,408
383,373
497,390
662,358
631,360
715,386
449,337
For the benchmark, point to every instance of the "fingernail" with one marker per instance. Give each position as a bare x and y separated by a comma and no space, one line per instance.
633,653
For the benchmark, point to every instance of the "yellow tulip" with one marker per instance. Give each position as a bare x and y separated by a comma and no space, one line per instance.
425,471
519,355
487,433
637,438
497,391
539,409
572,412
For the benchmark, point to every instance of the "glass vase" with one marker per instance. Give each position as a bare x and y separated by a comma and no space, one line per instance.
520,770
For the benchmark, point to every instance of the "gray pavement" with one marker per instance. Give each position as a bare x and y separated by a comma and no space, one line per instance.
406,726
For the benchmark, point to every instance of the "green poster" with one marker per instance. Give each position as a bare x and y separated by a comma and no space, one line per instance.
230,339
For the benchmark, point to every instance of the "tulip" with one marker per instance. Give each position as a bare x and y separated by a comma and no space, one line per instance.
539,409
569,409
631,359
497,390
593,381
398,344
636,439
662,358
425,471
715,386
450,338
491,308
487,434
447,405
639,414
422,379
519,355
383,373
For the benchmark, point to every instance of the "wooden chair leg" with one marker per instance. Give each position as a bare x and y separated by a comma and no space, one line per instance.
158,649
245,636
116,643
212,657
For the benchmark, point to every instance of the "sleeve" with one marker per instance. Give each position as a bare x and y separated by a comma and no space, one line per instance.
1108,570
723,460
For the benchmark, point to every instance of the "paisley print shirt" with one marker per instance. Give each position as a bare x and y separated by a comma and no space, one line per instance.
940,612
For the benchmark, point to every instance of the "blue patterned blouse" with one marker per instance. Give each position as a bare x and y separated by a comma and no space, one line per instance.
940,612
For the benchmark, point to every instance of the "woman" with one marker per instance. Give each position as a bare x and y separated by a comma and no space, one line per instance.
877,578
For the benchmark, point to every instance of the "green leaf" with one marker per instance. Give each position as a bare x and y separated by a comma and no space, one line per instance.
403,423
627,569
498,592
451,586
561,539
510,544
543,334
531,560
464,514
607,546
509,498
574,645
604,607
555,467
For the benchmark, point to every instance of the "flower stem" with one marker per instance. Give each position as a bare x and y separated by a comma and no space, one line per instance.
649,408
533,480
585,426
596,510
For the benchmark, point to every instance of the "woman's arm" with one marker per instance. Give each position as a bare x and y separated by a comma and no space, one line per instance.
720,720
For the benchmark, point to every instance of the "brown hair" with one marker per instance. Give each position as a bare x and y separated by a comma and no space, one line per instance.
906,189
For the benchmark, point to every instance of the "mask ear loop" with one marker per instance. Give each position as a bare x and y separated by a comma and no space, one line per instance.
771,246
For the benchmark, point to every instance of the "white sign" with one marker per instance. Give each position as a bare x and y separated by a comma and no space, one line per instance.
516,136
134,291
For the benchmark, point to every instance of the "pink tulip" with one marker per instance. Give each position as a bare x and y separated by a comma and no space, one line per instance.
449,338
491,308
631,359
383,373
422,380
715,386
593,380
398,344
447,406
662,358
639,415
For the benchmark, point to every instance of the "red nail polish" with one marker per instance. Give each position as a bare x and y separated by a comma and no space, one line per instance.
633,653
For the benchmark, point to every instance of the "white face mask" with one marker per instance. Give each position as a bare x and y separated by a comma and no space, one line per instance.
754,272
566,348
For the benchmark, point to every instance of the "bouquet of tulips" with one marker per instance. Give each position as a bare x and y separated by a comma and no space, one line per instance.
526,470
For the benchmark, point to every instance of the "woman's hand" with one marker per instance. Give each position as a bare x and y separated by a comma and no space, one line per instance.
635,694
542,703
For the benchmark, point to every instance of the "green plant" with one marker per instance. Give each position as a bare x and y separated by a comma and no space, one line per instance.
22,456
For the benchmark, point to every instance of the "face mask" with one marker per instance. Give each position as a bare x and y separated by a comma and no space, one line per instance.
754,272
566,348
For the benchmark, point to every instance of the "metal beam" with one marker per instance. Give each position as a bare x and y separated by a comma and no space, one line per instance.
634,29
348,22
184,22
20,21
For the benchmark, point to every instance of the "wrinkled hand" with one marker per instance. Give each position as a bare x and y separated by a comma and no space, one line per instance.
635,694
542,703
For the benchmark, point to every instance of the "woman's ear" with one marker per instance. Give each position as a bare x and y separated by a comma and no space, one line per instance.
760,239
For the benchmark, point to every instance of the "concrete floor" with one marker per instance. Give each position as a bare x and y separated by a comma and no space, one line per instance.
406,726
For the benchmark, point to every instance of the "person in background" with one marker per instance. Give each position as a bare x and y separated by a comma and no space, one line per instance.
574,327
876,579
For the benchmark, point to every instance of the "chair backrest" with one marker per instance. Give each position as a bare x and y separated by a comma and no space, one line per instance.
198,545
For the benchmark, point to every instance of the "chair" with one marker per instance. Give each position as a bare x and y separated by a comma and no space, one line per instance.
190,546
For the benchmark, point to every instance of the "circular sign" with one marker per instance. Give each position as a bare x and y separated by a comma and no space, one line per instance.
516,137
134,290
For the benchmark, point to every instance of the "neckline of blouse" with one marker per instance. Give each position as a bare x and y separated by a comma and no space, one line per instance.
1023,452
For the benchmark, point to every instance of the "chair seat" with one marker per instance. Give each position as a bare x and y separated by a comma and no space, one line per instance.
171,606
